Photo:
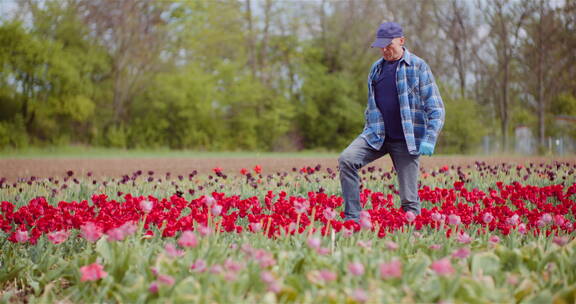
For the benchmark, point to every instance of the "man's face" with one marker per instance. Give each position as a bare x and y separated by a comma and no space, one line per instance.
394,50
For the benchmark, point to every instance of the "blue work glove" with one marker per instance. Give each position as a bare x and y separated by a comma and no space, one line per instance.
426,149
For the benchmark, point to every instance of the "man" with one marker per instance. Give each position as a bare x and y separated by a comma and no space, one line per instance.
404,116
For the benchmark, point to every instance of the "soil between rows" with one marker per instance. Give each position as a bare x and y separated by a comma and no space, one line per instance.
14,168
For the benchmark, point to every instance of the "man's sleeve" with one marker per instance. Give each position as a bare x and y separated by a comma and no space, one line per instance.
433,105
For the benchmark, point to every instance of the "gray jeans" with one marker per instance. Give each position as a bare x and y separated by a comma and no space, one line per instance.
358,154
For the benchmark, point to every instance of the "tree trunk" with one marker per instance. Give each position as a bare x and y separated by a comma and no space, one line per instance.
504,110
540,71
251,43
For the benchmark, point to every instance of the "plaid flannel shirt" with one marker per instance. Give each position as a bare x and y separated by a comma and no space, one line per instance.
421,107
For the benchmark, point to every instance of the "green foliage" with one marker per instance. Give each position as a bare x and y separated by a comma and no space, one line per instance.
13,133
564,104
463,129
330,113
224,80
561,120
116,137
48,75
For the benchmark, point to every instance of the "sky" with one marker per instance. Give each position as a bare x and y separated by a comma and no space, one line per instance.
7,8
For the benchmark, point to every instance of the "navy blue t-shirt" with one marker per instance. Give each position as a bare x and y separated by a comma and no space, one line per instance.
386,95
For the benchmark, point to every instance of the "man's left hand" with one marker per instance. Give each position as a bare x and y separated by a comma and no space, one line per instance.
426,149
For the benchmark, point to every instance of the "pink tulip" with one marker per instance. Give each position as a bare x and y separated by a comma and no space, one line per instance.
246,248
356,268
323,251
546,218
391,245
198,266
166,279
365,223
560,240
437,217
435,247
410,216
92,272
209,200
512,279
172,251
494,239
272,283
21,236
188,239
359,295
301,207
292,227
487,218
347,232
365,244
119,233
204,230
513,220
267,277
265,259
154,270
442,267
216,269
314,242
275,287
365,215
153,288
91,232
328,275
232,266
391,270
464,238
146,206
57,237
522,228
461,253
559,220
329,213
115,234
256,227
454,219
216,210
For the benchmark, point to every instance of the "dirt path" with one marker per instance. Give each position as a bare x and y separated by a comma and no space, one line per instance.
14,168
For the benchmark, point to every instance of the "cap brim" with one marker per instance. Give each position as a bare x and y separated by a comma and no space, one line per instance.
381,42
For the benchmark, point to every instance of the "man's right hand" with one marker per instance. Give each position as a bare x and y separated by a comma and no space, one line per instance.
426,149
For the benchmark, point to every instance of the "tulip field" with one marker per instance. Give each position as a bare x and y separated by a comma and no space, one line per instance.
488,233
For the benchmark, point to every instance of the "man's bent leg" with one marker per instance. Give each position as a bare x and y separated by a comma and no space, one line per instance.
354,157
408,169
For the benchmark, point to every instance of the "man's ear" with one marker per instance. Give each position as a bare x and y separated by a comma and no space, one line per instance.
402,40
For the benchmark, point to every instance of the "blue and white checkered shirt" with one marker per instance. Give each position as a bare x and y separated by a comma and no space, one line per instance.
421,106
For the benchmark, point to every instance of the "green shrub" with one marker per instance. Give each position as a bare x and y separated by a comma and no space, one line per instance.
463,128
13,133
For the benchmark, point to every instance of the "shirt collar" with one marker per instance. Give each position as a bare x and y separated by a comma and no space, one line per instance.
405,57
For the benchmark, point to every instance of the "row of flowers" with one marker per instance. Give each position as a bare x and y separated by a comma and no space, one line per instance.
523,208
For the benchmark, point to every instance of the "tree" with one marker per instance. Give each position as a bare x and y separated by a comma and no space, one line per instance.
540,53
455,20
505,19
133,32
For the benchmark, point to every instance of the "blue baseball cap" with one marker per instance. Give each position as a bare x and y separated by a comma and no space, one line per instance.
386,32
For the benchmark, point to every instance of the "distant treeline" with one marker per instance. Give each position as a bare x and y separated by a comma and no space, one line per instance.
272,75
